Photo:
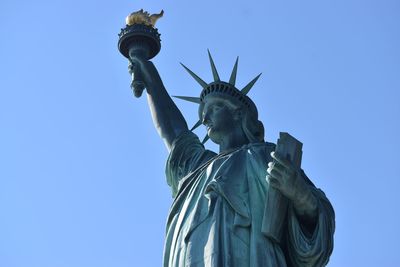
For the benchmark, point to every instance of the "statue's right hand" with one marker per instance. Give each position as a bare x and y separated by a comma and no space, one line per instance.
144,75
131,68
135,69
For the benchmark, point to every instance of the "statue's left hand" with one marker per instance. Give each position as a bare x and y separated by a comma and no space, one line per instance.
286,178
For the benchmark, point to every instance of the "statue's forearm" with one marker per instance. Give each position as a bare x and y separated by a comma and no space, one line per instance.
307,205
167,118
306,209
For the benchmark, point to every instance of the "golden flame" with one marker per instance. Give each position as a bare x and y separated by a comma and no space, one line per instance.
143,17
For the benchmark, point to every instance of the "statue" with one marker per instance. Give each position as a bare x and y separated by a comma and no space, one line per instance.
248,205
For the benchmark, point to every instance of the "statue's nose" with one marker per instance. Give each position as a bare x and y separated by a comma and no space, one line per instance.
206,118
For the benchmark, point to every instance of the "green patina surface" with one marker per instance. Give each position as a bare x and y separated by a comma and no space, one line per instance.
249,205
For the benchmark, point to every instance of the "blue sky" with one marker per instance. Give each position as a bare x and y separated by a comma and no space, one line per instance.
82,168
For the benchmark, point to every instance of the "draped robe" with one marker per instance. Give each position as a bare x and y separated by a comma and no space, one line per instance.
216,218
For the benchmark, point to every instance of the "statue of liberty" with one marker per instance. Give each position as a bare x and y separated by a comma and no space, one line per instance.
219,216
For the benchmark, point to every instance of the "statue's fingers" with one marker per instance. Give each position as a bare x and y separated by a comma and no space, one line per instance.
130,65
279,167
279,158
274,174
136,61
275,164
284,171
273,182
280,173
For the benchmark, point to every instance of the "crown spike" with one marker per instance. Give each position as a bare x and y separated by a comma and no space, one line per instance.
205,139
213,68
198,123
189,98
197,78
247,88
232,79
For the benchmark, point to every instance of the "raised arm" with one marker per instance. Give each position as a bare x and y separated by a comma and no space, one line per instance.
167,118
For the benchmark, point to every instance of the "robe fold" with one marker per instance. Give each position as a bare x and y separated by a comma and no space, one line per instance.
216,218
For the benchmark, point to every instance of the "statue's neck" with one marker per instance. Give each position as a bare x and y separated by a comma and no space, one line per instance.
233,141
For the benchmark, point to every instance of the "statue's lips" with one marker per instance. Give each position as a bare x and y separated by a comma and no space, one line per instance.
209,127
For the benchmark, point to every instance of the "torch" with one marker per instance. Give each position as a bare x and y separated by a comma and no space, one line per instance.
139,39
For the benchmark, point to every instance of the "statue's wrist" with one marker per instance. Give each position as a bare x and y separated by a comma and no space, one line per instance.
153,79
306,205
154,86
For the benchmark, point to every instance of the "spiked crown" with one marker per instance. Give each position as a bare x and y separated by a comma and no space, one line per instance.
223,90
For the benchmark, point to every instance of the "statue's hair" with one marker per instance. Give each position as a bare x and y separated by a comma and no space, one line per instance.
253,128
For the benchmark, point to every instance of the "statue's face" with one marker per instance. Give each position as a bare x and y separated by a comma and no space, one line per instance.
219,119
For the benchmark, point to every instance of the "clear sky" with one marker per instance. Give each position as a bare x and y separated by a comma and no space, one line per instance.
82,168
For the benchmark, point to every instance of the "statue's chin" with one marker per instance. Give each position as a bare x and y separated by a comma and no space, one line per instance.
213,137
